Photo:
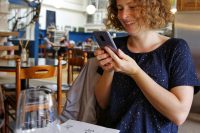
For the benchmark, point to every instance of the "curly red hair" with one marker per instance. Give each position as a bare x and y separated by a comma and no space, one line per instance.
154,13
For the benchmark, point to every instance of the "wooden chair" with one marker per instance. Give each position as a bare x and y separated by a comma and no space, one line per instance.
35,72
75,59
9,49
42,50
2,112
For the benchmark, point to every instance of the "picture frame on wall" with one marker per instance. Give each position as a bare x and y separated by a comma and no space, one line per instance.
188,5
50,19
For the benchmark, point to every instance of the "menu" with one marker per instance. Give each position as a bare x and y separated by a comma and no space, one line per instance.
72,126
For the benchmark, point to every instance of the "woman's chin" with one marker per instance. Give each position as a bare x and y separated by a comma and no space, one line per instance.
132,31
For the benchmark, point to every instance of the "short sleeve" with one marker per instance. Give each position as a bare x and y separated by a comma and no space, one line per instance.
182,71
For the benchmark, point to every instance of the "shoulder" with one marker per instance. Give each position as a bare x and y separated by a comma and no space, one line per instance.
46,39
177,45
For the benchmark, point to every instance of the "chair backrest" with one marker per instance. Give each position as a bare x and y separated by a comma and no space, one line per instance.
38,72
77,60
10,52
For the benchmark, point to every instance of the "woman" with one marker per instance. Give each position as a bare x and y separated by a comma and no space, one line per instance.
148,85
49,44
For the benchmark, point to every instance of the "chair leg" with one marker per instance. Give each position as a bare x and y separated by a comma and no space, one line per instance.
2,130
6,119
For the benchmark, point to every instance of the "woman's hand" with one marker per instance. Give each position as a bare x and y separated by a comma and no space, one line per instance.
104,59
122,62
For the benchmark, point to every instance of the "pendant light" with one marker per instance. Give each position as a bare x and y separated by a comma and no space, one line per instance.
90,9
173,6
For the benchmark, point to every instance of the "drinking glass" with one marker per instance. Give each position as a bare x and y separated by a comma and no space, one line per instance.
37,112
2,112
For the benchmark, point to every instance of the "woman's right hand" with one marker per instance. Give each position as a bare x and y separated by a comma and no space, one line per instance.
104,59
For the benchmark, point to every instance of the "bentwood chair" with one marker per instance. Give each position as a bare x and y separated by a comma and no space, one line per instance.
34,72
76,60
2,112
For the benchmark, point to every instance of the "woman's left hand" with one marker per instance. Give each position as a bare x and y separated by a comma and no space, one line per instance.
122,62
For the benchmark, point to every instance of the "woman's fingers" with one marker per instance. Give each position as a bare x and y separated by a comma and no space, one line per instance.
102,56
108,66
98,52
122,55
105,61
112,54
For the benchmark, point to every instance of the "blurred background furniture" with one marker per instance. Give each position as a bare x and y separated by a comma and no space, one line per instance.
2,112
9,50
76,58
34,72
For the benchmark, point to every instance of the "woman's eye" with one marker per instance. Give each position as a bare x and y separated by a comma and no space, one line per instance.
132,7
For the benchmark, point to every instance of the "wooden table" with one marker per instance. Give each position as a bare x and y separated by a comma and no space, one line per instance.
10,65
56,47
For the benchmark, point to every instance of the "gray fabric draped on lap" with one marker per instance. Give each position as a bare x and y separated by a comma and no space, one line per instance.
81,101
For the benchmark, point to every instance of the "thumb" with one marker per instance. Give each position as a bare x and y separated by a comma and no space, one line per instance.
122,55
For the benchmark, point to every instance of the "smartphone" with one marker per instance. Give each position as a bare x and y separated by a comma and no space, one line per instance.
103,39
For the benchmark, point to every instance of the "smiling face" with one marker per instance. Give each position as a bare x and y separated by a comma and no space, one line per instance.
130,14
138,15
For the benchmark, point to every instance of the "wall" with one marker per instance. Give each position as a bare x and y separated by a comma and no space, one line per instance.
3,19
79,36
187,26
73,14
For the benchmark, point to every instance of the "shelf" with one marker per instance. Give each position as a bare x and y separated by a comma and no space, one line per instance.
7,33
8,48
188,5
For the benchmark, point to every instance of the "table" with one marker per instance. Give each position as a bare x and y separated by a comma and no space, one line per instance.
9,48
56,47
73,126
10,65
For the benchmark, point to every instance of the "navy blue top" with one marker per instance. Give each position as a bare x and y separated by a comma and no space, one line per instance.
169,65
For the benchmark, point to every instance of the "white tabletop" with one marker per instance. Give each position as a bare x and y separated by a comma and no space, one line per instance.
72,126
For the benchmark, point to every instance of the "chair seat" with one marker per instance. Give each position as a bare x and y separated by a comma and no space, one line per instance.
12,86
8,87
65,87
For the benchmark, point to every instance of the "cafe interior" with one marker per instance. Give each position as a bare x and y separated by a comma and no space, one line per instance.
48,45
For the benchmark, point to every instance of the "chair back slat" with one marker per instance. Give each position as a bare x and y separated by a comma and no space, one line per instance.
39,72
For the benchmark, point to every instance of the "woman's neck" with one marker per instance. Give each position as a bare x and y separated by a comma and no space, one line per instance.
145,42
